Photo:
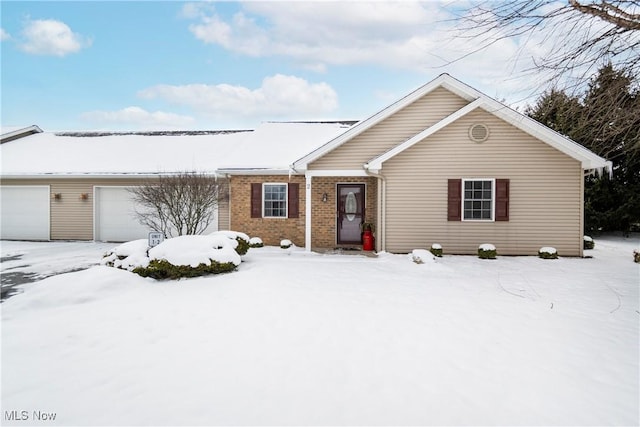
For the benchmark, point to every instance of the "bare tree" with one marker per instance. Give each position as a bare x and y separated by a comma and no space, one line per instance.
178,204
584,34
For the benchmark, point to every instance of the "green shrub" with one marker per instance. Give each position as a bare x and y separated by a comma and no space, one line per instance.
487,251
241,238
163,269
588,242
243,246
436,250
286,244
548,253
256,242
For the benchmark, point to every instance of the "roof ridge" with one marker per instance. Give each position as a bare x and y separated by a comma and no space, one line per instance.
328,122
150,133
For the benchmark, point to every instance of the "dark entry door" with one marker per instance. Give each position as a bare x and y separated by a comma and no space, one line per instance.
350,213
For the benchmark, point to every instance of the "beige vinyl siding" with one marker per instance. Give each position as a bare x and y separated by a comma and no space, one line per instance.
396,129
224,219
72,217
545,207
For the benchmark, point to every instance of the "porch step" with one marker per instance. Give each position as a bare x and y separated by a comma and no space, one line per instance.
346,250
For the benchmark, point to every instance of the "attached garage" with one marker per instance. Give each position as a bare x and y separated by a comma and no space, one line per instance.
115,216
24,212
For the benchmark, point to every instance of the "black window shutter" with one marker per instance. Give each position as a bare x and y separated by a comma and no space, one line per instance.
293,201
256,200
454,200
502,200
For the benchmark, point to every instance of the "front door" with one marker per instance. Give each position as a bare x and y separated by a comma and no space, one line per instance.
350,213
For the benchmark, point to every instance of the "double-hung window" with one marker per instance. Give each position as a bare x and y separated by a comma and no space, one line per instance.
274,200
478,199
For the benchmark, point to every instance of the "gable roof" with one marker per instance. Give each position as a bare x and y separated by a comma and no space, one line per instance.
477,99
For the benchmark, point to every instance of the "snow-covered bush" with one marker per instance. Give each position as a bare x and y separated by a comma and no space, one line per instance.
256,242
636,256
548,252
286,243
436,249
420,256
128,255
588,242
182,256
243,240
162,269
487,251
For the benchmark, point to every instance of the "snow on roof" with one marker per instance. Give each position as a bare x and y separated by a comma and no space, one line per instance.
273,145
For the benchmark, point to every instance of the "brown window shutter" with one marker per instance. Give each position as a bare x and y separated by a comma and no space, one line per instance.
293,201
502,200
256,200
454,201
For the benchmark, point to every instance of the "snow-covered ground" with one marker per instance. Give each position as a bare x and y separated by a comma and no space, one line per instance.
310,339
23,262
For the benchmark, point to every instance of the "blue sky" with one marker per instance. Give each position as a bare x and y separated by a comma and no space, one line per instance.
223,65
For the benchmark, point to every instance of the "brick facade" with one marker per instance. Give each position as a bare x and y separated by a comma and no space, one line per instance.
323,214
270,230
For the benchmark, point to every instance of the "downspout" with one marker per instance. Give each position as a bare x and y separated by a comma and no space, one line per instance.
581,234
381,244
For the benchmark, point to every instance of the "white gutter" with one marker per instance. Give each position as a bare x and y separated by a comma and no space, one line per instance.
255,171
54,176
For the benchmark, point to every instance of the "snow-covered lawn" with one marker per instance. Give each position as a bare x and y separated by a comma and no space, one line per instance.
310,339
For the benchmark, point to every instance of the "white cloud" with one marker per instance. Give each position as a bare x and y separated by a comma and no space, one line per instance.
139,118
278,96
4,35
51,37
415,36
318,33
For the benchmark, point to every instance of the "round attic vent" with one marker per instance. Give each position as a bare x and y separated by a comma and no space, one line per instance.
478,132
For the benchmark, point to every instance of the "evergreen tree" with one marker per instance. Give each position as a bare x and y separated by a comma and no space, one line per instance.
607,121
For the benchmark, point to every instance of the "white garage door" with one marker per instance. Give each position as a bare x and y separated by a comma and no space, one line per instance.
115,219
24,212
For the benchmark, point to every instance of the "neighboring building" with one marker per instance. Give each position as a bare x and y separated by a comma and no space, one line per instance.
444,164
73,186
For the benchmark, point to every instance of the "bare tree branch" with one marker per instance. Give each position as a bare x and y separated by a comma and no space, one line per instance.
179,204
583,35
610,12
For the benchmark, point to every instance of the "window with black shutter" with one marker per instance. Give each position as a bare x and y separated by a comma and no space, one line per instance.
479,199
502,200
275,200
454,200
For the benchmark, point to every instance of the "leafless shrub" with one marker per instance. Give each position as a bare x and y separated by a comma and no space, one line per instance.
179,204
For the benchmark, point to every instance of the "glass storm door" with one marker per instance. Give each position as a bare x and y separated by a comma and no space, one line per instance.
350,213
